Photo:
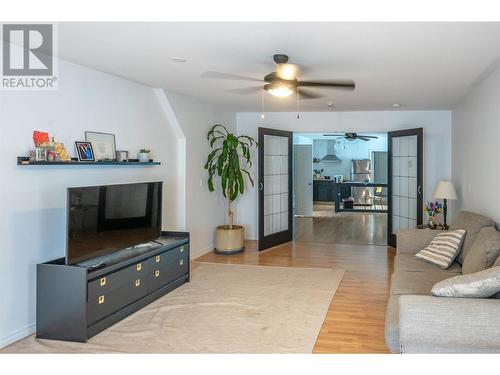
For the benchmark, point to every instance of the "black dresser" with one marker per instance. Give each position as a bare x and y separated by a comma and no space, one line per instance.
74,304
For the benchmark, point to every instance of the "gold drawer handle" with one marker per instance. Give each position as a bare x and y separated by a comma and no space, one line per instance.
101,300
139,267
157,273
182,249
181,262
157,259
138,282
102,282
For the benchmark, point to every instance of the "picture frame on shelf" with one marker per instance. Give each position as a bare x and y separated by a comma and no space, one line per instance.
104,145
85,151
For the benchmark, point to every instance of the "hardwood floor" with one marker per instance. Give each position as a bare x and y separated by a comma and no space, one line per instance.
342,227
355,319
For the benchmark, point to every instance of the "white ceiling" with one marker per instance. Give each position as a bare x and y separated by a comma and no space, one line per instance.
420,65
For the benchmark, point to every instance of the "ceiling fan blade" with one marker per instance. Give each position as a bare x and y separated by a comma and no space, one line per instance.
345,84
363,138
333,135
306,94
368,136
219,75
246,90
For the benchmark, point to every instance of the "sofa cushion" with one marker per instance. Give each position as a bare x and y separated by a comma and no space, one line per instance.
484,251
481,284
407,262
443,249
419,283
392,325
472,223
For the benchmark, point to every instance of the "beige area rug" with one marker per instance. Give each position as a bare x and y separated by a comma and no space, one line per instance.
224,309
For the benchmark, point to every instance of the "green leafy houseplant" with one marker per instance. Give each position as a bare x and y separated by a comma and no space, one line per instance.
228,153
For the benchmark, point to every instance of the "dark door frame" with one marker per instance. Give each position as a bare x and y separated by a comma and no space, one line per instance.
274,239
419,132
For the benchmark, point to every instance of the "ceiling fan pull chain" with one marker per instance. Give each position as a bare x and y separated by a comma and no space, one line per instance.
262,106
298,112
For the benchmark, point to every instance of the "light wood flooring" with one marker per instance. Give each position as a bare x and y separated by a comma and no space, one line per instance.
355,319
342,227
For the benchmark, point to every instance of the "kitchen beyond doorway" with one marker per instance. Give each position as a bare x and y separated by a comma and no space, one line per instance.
345,198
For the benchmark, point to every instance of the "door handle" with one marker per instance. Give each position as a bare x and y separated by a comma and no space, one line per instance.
261,186
419,190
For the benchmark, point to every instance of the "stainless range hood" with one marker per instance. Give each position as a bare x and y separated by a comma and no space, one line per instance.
330,156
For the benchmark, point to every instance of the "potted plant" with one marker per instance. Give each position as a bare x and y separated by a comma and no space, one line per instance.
143,155
433,209
228,153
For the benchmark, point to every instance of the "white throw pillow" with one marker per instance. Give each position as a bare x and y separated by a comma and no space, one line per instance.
443,249
480,284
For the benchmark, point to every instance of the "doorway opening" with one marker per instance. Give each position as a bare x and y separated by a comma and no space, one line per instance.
341,191
339,188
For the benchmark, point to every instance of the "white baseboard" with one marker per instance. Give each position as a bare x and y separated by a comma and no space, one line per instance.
198,253
16,336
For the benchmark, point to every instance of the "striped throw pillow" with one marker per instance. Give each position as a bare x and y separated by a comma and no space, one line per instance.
443,249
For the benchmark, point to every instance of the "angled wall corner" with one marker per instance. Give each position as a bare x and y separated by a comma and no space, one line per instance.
176,190
204,210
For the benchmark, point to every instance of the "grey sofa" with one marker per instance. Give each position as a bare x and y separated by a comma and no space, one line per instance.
416,321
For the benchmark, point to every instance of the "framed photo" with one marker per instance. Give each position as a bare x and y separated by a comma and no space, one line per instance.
104,145
84,151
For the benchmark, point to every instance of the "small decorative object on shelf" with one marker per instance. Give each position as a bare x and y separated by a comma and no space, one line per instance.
47,149
84,151
143,155
122,156
433,209
61,153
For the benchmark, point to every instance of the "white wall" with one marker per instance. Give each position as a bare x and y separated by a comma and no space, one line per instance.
437,142
204,210
33,199
476,156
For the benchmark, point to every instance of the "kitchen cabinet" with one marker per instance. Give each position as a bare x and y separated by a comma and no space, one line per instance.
327,191
323,191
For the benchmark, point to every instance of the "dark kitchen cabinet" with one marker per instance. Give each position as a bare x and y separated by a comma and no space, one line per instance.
323,191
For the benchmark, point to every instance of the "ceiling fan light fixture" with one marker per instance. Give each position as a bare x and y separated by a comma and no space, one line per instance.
279,90
287,71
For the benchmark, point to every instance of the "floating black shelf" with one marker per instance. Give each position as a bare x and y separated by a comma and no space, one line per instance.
22,160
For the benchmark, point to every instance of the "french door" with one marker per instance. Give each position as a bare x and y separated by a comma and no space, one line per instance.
275,187
405,156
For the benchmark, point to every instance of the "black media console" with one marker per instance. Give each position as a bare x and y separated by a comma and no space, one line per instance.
75,302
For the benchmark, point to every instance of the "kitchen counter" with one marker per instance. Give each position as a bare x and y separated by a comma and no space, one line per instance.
331,191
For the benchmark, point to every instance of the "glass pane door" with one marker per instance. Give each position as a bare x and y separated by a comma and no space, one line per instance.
274,187
405,165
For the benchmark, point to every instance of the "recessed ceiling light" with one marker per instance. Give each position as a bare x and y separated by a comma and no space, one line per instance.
396,105
179,59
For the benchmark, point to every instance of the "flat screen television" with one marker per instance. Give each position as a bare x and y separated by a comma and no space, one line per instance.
104,219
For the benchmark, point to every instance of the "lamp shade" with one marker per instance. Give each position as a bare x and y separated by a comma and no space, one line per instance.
445,190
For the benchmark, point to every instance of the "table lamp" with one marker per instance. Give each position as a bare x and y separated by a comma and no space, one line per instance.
445,191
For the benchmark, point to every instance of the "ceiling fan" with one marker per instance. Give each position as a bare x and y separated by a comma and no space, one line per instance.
352,136
283,82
